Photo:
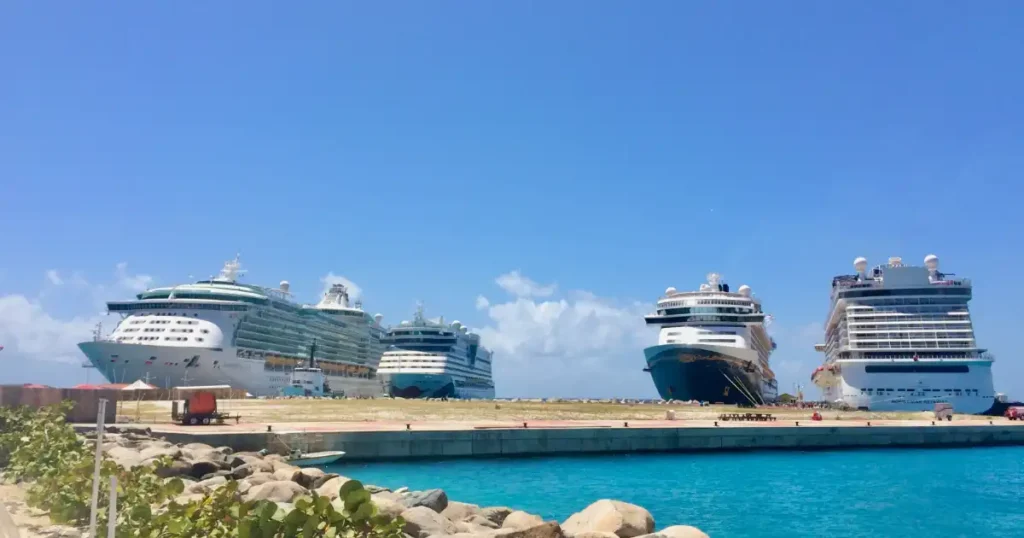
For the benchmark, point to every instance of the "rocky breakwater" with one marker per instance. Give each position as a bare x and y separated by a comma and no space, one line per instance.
425,514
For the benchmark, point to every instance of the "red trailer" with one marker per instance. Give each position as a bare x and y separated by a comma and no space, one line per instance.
200,408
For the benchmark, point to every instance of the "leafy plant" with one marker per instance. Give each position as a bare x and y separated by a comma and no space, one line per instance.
41,448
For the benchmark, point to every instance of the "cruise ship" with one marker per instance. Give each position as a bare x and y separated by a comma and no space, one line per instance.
223,332
713,346
428,359
900,338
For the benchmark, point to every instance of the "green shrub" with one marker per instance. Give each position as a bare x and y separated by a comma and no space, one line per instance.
44,450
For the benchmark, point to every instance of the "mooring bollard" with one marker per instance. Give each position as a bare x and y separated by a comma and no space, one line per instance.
524,424
798,423
269,428
716,423
408,427
625,424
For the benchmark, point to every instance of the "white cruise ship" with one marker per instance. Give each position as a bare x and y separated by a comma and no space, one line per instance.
430,359
223,332
713,346
900,338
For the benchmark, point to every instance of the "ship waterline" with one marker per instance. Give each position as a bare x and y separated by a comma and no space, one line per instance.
192,366
703,374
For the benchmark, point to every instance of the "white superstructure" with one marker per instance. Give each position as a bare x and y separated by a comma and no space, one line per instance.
713,346
430,359
223,332
900,338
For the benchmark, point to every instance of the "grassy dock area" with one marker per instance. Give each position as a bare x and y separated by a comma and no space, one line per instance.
398,410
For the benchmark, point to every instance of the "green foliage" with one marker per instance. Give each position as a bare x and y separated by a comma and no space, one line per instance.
42,449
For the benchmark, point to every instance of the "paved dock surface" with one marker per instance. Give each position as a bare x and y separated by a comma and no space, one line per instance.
431,439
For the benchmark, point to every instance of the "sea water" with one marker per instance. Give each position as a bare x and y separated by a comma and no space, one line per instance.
885,492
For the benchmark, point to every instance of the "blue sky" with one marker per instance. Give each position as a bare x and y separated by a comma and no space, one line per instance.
434,151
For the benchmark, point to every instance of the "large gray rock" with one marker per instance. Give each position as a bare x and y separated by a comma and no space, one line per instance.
255,462
279,491
387,507
59,531
496,514
212,455
465,527
176,468
521,520
624,519
203,468
544,530
435,499
280,463
457,511
307,476
597,534
286,473
375,489
422,522
332,487
125,457
153,452
323,480
389,495
241,471
260,478
206,486
480,521
197,446
677,531
225,474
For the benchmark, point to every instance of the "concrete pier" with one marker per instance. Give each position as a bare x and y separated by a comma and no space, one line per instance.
390,441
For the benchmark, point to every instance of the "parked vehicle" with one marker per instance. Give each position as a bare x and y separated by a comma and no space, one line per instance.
200,408
1014,413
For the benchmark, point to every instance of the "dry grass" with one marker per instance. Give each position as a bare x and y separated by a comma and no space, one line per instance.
324,410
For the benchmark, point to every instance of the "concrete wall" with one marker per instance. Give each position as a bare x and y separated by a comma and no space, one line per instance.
523,442
86,401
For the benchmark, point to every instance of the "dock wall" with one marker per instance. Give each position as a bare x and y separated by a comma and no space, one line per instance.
392,445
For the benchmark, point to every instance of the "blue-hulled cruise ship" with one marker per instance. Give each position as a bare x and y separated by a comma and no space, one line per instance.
429,359
712,347
224,332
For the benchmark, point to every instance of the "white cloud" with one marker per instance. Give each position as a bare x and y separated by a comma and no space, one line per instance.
38,331
134,283
581,345
354,291
27,329
482,303
54,277
521,286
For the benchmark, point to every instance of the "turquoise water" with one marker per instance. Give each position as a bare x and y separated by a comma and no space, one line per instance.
899,492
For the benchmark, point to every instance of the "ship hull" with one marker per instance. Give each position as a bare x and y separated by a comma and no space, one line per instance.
419,385
910,385
169,367
708,374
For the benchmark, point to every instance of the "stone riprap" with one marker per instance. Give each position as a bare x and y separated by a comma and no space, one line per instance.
205,468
